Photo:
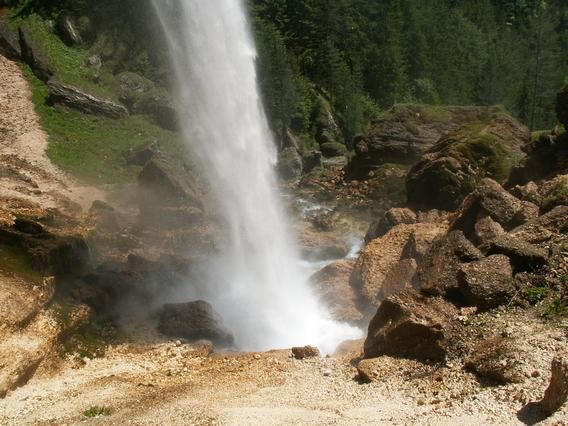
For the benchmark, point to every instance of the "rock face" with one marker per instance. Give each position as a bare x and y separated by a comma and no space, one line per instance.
495,360
556,394
75,98
9,45
450,170
487,283
440,266
411,325
332,286
67,31
407,132
33,56
193,321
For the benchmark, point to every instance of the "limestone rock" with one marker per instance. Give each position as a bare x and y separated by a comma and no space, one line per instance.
80,100
487,283
9,45
524,256
440,266
411,325
193,321
33,56
393,217
556,394
496,360
305,352
332,286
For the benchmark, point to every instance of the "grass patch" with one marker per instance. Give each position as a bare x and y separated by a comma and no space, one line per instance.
94,148
533,295
97,411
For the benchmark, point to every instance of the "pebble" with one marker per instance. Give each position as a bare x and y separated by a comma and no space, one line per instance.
256,356
327,373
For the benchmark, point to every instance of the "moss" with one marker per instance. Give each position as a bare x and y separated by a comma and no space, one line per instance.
558,196
96,411
94,148
333,149
14,260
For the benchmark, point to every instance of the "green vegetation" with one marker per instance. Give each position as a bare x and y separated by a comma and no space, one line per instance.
96,148
534,295
96,411
555,307
15,260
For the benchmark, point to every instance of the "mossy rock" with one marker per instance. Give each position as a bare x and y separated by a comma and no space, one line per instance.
290,164
333,149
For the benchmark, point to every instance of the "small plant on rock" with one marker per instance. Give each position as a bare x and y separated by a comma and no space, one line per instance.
533,295
96,411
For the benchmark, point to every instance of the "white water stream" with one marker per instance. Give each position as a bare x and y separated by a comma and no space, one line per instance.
256,283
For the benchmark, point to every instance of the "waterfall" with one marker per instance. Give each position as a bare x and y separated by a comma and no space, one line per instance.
256,283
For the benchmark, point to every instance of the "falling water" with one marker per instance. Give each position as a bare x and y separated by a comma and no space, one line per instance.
256,282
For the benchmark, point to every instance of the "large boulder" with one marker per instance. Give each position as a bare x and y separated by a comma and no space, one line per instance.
490,199
78,99
193,321
34,56
450,170
332,286
412,325
487,283
408,131
9,45
440,266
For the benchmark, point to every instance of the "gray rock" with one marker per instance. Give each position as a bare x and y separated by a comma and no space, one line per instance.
67,30
487,283
193,321
9,45
78,99
33,56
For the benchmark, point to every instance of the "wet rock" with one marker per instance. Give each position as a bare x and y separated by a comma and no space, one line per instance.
160,107
9,45
451,169
80,100
332,286
524,256
562,106
496,361
290,165
439,268
411,325
193,321
67,30
487,283
556,394
305,352
33,56
393,217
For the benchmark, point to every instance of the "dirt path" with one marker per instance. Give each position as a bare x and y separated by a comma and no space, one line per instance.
25,170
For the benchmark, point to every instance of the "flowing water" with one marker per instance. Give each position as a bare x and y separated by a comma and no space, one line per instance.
256,282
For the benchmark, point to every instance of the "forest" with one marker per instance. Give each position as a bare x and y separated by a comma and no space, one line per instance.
365,56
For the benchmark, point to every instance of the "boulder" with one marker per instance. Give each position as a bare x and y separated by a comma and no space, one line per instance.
486,230
377,260
543,228
311,160
9,45
33,56
290,165
554,192
451,169
490,199
76,98
411,325
67,30
556,394
160,107
193,321
141,157
393,217
562,106
496,361
407,132
524,256
421,240
440,266
527,192
487,283
332,286
301,352
333,149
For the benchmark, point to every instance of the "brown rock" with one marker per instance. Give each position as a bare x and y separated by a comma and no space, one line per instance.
17,366
367,370
301,352
393,217
332,286
421,240
486,230
487,283
556,394
524,256
543,228
411,325
439,268
496,360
